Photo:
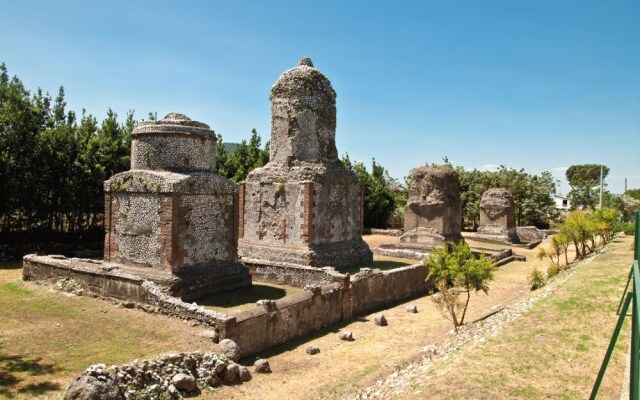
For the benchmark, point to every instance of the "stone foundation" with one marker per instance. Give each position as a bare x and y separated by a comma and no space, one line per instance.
270,323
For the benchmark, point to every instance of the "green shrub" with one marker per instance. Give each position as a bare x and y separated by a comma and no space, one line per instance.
627,227
553,271
537,279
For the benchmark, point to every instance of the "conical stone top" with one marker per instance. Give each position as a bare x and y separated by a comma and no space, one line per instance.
303,116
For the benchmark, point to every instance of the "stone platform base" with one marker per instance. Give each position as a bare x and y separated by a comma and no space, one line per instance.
337,255
503,240
417,252
124,282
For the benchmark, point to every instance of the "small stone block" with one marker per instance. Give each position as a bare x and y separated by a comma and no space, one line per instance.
261,366
380,320
313,350
411,309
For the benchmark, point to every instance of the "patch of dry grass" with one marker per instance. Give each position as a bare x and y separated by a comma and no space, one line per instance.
47,337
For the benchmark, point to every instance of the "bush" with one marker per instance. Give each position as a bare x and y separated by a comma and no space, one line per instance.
627,227
537,279
553,271
456,272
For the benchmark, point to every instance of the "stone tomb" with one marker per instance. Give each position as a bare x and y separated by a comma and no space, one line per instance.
304,208
497,217
433,214
170,220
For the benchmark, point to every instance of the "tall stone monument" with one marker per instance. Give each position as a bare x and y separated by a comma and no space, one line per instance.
497,217
433,214
304,208
172,218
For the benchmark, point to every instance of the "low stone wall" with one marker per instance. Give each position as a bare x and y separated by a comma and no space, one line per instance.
294,275
387,232
373,289
275,322
270,323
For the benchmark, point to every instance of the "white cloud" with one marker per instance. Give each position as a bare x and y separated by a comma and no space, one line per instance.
489,167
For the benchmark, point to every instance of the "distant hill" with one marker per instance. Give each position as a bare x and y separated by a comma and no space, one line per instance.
230,147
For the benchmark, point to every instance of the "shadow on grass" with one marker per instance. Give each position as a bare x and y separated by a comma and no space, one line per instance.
382,265
11,366
10,265
294,343
243,296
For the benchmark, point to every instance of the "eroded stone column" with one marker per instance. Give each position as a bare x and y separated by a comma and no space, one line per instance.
304,207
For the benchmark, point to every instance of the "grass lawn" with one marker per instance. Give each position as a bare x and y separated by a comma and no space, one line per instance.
554,351
47,337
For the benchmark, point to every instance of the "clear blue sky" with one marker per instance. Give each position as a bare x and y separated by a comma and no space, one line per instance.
533,84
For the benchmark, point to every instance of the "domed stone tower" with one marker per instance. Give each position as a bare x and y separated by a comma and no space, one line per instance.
172,218
433,214
497,217
304,208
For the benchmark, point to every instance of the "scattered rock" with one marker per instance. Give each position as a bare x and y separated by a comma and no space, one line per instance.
348,336
245,375
231,375
88,387
313,350
380,320
230,349
411,309
184,382
262,366
211,335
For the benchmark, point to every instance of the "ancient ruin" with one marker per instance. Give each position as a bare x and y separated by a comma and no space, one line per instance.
171,219
433,214
497,217
304,208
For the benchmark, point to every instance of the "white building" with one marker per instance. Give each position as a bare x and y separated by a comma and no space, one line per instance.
562,203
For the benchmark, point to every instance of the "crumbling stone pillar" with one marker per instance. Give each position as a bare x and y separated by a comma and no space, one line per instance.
433,214
304,207
497,217
171,218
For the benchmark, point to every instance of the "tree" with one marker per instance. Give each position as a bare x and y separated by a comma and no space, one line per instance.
379,201
456,272
584,180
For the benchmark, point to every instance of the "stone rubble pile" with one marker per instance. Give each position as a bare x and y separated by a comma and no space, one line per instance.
169,377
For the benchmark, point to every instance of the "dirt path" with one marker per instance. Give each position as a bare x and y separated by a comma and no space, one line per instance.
344,367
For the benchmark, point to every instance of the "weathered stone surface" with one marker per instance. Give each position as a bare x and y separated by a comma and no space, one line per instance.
380,320
303,116
497,216
211,335
313,349
231,375
230,349
244,374
87,387
304,207
184,382
433,214
175,143
262,366
172,212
